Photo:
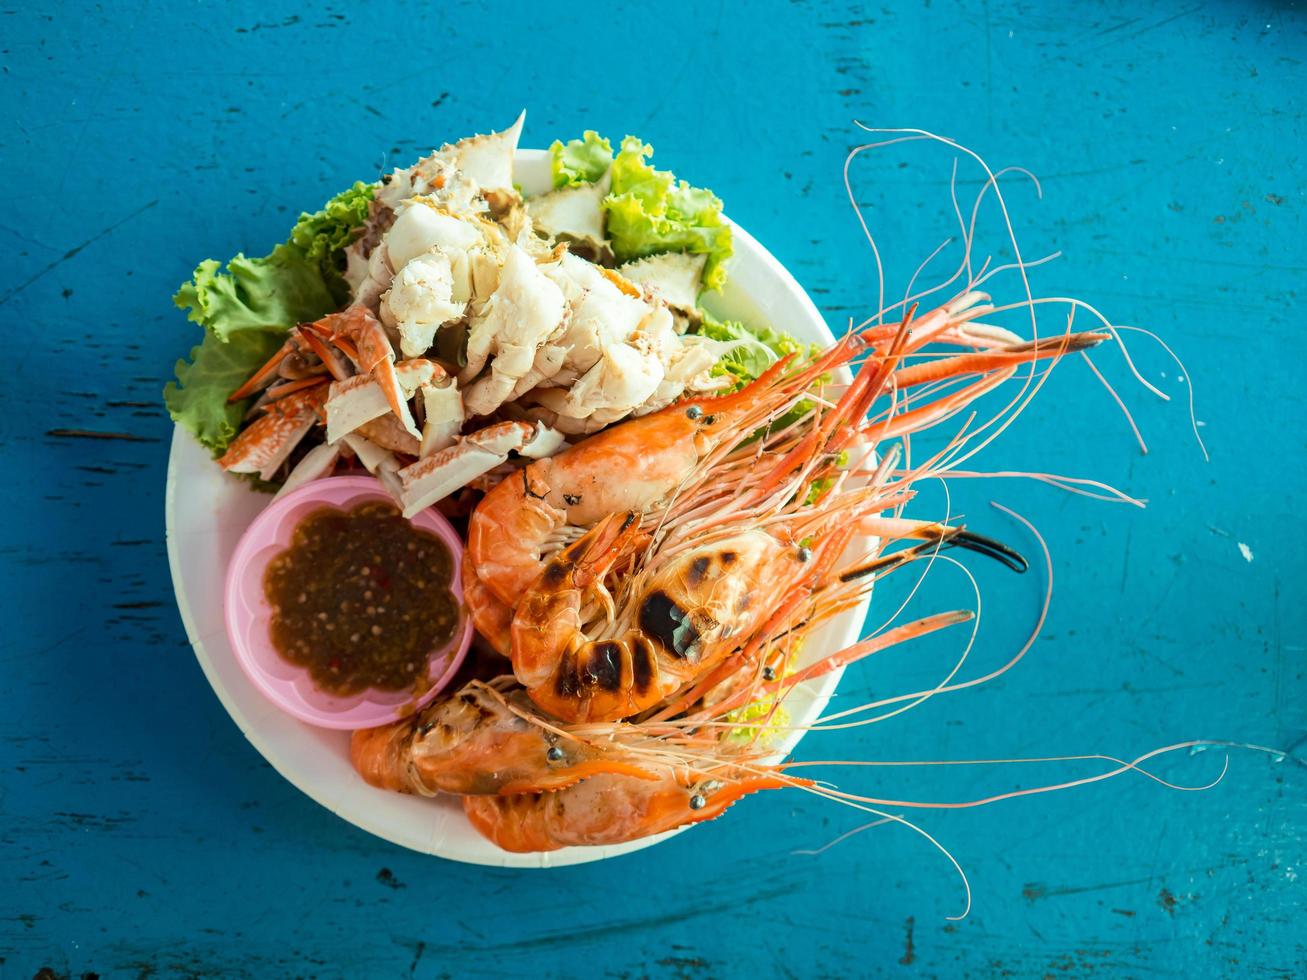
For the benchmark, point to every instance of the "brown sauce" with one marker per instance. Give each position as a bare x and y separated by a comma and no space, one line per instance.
360,599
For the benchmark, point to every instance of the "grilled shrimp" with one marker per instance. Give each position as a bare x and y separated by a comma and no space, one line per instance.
683,620
611,809
634,466
731,553
481,742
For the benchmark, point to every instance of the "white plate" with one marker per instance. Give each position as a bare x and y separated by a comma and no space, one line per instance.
206,511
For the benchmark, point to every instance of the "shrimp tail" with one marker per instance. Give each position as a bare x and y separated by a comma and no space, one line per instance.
381,756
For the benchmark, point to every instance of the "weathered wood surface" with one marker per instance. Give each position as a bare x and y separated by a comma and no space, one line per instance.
144,837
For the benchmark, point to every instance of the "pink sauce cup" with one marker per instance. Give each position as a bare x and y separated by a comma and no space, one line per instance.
248,615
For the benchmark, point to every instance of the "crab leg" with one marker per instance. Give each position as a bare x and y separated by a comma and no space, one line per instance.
266,444
265,375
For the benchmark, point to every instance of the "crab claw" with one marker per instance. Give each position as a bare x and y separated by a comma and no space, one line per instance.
373,355
265,375
266,444
362,398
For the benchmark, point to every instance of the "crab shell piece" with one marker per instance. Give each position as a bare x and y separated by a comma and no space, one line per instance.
373,457
444,417
266,444
574,214
672,277
437,476
488,160
317,463
360,399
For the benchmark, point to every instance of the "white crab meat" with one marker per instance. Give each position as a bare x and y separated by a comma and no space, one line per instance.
360,399
572,214
375,277
689,368
419,227
421,301
522,313
674,278
600,314
443,405
317,463
622,379
372,456
435,477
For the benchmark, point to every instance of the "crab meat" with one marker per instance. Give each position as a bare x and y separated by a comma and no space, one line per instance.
317,463
266,444
360,399
421,301
600,312
369,286
373,457
437,476
388,433
421,226
573,214
674,278
443,407
689,368
621,380
524,311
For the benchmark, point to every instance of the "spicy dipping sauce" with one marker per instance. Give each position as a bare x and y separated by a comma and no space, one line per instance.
360,599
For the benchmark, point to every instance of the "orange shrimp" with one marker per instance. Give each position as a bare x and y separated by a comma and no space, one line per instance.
493,619
612,809
630,467
727,557
683,619
480,741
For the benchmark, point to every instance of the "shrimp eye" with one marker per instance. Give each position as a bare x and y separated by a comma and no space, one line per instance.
694,412
768,674
698,801
805,554
555,754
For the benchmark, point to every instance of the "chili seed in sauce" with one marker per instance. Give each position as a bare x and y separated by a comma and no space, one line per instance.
360,598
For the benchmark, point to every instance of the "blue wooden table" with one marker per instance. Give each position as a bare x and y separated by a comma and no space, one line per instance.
142,836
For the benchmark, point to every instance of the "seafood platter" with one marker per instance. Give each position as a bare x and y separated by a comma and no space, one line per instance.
523,510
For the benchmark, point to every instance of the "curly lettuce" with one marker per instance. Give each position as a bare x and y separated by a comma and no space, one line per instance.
761,347
580,161
247,310
755,349
646,211
650,211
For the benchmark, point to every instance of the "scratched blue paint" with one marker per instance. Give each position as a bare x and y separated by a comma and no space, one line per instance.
142,836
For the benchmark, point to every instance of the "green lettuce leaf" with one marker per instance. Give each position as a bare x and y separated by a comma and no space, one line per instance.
198,398
746,361
300,280
650,211
247,310
580,161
